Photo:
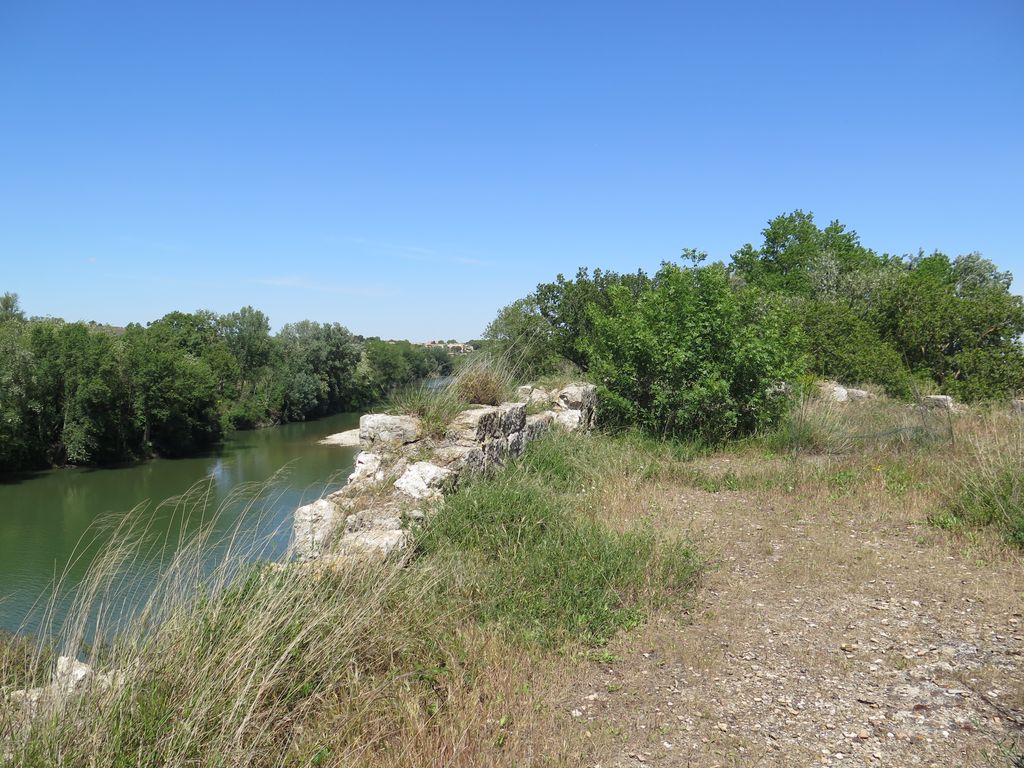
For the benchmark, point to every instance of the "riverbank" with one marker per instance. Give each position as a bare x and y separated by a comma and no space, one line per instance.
48,518
796,599
387,662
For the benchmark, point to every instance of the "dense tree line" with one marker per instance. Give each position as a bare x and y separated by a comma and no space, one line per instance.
703,349
78,393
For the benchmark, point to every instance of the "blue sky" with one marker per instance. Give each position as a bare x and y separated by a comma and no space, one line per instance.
408,168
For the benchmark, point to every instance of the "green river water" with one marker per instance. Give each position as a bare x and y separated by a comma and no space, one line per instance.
46,518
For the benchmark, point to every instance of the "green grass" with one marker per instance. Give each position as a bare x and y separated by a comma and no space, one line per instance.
987,479
540,567
436,406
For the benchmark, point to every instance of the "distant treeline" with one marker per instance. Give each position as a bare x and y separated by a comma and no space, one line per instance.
77,393
704,350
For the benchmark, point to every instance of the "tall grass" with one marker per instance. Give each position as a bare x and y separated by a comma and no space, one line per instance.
482,380
486,380
435,405
989,481
399,663
816,425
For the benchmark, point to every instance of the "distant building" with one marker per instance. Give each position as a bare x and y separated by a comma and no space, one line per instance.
453,347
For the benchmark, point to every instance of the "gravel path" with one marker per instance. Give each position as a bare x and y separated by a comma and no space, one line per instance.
828,632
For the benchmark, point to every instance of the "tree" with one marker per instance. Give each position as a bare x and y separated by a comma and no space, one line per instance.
799,259
9,308
565,304
523,336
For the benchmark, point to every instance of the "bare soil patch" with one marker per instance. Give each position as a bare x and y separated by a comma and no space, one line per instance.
833,627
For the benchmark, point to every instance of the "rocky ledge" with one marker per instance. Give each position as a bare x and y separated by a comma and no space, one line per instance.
402,472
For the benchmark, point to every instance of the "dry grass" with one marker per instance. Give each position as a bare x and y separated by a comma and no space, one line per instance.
810,554
485,380
426,661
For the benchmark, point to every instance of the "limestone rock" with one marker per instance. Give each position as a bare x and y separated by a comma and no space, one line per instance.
372,543
312,527
570,420
581,398
517,442
31,698
495,452
71,675
372,520
1017,406
941,402
537,424
367,467
475,425
837,393
531,394
423,480
578,397
461,458
511,417
347,439
857,394
384,430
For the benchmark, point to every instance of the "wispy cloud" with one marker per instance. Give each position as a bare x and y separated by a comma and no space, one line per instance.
410,252
300,282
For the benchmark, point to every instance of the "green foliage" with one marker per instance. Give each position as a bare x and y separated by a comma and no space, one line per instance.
539,567
891,321
76,393
386,366
799,259
522,335
567,305
991,488
844,345
691,355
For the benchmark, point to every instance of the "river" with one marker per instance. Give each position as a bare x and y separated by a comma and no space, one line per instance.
46,517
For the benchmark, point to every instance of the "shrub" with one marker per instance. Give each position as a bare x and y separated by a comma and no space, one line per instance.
691,356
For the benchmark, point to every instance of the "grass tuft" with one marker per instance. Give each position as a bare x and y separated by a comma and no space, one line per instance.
990,485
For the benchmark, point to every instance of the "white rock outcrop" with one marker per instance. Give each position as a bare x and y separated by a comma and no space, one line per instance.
531,394
475,425
372,544
368,516
70,677
570,420
347,439
385,430
837,393
423,480
312,527
367,468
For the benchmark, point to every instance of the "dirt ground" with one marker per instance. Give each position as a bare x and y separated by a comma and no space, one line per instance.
834,627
